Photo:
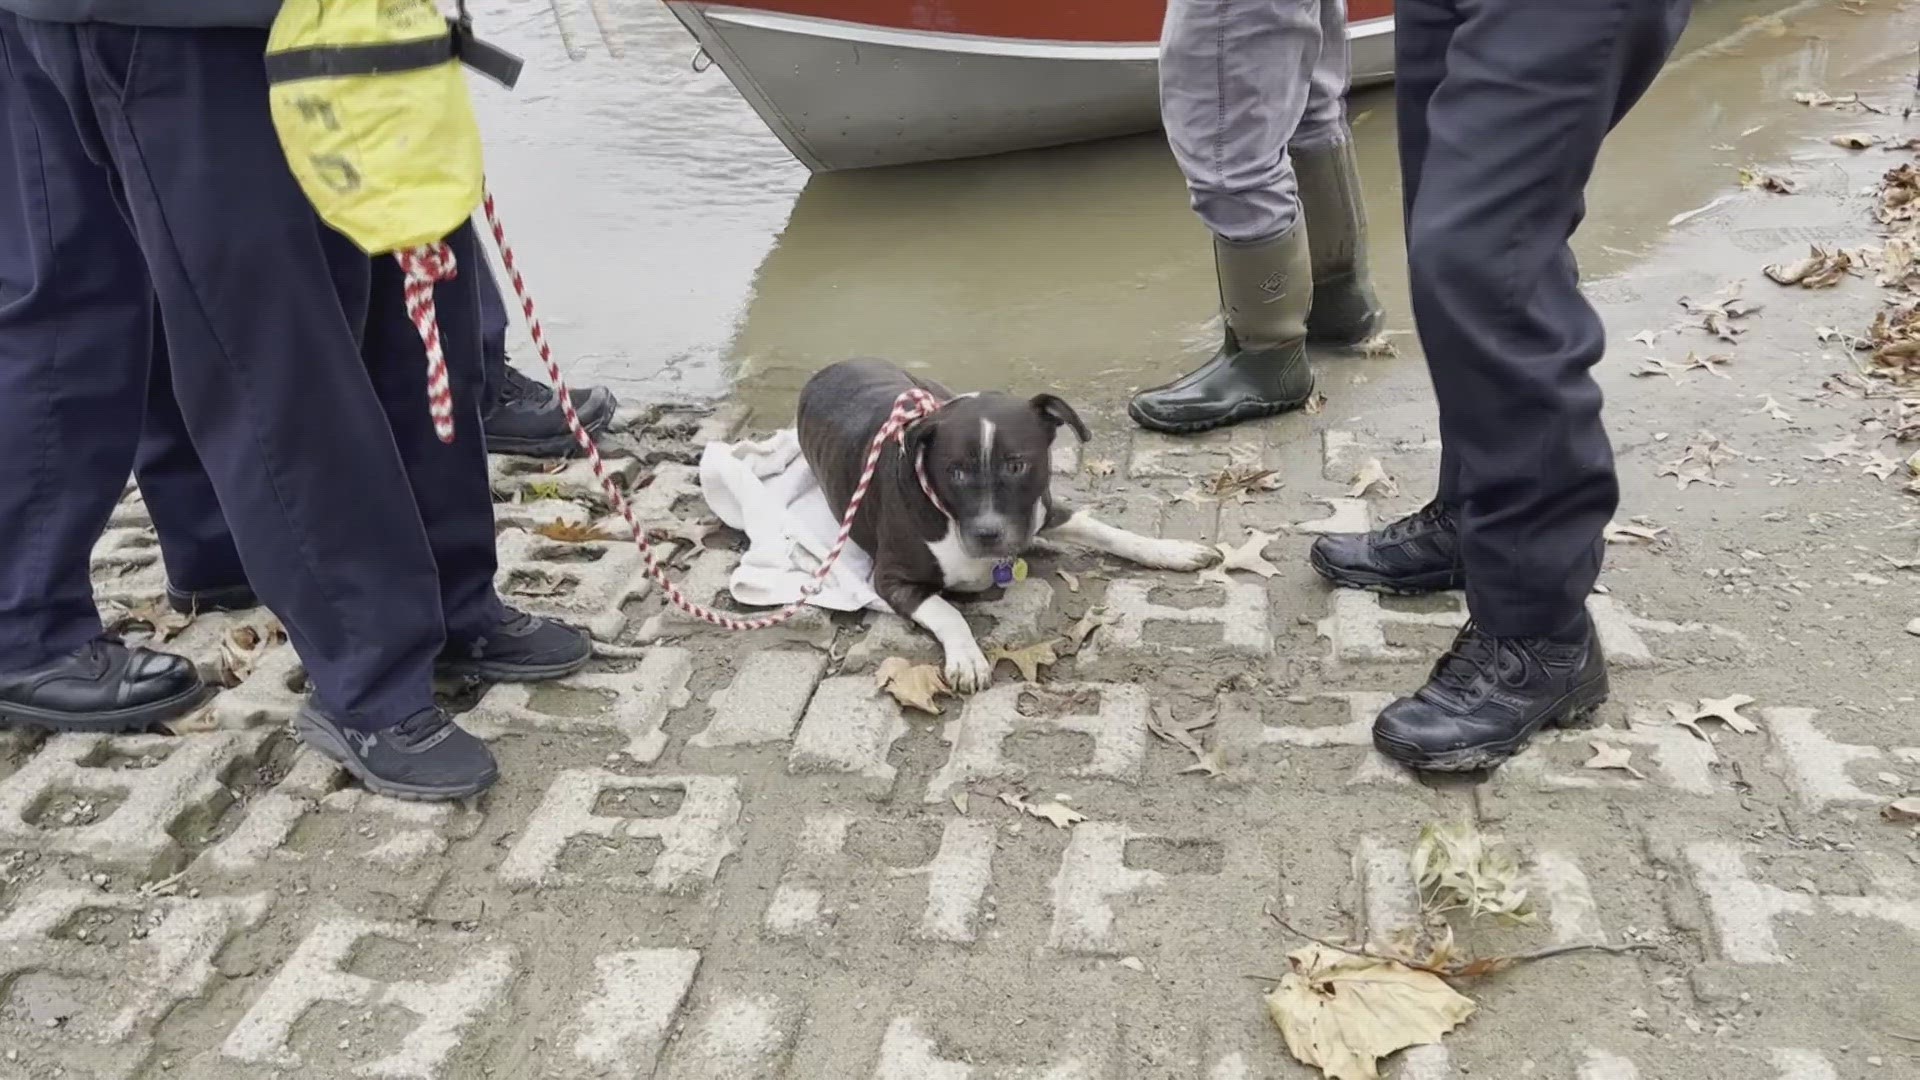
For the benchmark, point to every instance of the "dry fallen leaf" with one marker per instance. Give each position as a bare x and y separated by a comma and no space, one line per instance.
1161,723
1654,366
1238,481
1855,140
1061,817
1028,658
1710,364
1838,450
916,686
1772,408
1907,809
1880,466
1455,867
1822,99
1073,583
1698,464
1101,466
1645,337
1821,269
1082,630
242,647
1372,474
157,616
533,581
1246,557
1720,316
572,532
1608,756
1726,710
1756,180
1379,345
1342,1013
960,802
1316,404
1632,534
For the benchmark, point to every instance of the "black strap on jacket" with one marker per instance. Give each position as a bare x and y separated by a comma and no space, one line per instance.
329,61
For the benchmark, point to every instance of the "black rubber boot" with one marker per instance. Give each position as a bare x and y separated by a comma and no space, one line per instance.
525,417
1489,695
1417,554
1345,309
1261,367
103,686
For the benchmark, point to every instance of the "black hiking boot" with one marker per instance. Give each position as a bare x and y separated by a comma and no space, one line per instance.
1487,696
525,417
200,601
1417,554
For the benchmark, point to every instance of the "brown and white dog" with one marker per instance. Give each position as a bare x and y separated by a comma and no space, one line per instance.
984,459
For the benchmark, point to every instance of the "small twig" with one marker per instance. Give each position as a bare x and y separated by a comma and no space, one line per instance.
1468,968
1902,1038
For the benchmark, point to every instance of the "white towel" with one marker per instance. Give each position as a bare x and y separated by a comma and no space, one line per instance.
766,490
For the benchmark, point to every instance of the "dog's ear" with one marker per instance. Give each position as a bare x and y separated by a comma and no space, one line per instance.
1057,412
915,439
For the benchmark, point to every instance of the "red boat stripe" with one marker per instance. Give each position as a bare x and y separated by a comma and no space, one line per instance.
1071,20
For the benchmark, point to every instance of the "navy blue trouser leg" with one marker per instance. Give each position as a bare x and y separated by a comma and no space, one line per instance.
75,322
493,331
195,543
450,488
1509,134
450,485
263,309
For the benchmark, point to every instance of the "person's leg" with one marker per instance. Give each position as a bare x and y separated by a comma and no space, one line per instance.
1513,130
1419,553
75,309
449,481
262,318
1233,86
522,415
1345,309
204,572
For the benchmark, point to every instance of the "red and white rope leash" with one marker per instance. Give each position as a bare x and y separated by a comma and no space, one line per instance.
423,266
910,406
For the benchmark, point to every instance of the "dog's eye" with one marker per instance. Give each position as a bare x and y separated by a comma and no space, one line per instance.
958,472
1014,466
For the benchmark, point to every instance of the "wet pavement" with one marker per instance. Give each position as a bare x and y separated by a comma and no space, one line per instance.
717,857
680,251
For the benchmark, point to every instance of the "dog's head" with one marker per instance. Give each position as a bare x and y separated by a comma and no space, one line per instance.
987,457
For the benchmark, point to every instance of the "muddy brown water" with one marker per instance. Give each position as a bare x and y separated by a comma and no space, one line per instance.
678,252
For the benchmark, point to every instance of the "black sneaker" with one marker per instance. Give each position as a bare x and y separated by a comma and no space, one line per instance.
103,686
1487,696
523,648
200,601
1417,554
426,757
525,417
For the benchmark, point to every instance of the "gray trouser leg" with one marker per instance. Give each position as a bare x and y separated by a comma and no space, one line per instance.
1236,79
1324,123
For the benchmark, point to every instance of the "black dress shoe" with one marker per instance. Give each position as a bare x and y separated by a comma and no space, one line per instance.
525,417
200,601
101,687
1417,554
1489,695
522,648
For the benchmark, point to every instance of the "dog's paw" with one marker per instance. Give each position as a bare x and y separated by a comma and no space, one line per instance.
967,669
1179,555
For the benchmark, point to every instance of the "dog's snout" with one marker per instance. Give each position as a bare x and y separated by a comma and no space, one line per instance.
986,534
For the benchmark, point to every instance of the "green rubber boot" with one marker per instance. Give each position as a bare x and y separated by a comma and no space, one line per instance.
1261,368
1345,310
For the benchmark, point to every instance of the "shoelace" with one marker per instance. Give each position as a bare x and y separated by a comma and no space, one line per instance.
521,389
421,726
1475,654
1433,515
